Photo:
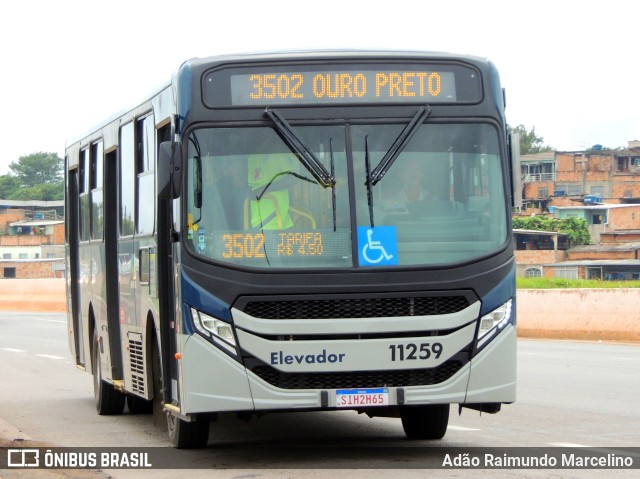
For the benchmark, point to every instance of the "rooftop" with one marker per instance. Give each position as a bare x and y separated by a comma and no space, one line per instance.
42,222
538,232
599,262
607,247
601,206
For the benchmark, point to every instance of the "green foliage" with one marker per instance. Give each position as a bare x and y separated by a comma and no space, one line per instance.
529,141
38,169
8,186
575,228
552,283
38,176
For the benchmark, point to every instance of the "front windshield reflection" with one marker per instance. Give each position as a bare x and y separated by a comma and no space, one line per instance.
252,203
443,198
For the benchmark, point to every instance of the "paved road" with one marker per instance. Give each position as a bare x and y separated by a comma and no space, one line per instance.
569,394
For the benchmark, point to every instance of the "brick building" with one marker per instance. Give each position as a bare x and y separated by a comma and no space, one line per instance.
603,218
536,249
601,187
553,179
31,239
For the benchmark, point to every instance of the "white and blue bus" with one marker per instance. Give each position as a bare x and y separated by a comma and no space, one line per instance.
300,231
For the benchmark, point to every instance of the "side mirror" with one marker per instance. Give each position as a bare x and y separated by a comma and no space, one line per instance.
169,170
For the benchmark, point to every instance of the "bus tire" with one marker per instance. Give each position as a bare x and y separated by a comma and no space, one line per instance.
187,435
157,406
425,422
138,405
109,401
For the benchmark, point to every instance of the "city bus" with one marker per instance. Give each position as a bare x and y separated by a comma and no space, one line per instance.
298,231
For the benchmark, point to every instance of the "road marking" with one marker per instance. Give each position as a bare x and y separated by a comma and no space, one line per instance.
11,350
565,444
49,356
51,321
622,358
460,428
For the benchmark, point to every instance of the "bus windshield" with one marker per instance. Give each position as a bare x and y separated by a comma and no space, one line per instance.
251,202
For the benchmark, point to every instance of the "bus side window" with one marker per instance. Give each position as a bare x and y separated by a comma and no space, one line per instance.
84,186
97,200
145,178
127,186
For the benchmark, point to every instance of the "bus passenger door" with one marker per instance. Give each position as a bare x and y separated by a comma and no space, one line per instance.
112,262
74,319
126,253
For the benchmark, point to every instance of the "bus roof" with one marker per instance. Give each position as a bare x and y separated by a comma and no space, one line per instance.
282,55
334,55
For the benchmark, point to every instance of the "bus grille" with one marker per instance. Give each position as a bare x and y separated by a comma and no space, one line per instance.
356,307
136,359
358,379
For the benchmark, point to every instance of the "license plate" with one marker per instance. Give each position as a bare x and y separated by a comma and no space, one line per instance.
362,397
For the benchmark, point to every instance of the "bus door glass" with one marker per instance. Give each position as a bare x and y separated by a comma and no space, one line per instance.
126,253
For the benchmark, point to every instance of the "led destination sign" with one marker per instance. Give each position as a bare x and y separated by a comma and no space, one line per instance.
345,86
264,86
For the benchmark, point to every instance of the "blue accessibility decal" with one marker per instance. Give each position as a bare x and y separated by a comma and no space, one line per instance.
377,246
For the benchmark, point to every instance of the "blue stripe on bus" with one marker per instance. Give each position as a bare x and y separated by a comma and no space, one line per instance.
503,292
197,297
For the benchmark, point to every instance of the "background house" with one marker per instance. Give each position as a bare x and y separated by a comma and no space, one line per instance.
31,239
603,188
603,218
536,249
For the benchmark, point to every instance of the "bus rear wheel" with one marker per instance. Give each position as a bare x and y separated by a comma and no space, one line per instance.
187,435
425,422
138,405
109,401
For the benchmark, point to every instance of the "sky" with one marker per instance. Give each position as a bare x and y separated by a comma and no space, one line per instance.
571,69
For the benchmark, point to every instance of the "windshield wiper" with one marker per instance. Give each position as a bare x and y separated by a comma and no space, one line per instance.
333,187
398,145
306,157
367,166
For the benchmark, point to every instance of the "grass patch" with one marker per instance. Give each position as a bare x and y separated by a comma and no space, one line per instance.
550,283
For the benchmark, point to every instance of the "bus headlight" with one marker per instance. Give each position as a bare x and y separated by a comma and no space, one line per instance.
493,322
220,332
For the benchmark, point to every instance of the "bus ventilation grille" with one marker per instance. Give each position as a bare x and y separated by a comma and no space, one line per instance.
358,379
356,307
136,360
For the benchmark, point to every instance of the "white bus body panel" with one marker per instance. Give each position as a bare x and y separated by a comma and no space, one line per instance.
212,381
493,371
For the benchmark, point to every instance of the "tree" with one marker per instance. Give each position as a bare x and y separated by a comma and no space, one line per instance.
38,169
8,186
529,141
44,192
38,176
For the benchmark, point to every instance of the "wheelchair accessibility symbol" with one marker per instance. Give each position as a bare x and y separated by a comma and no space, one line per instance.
377,246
